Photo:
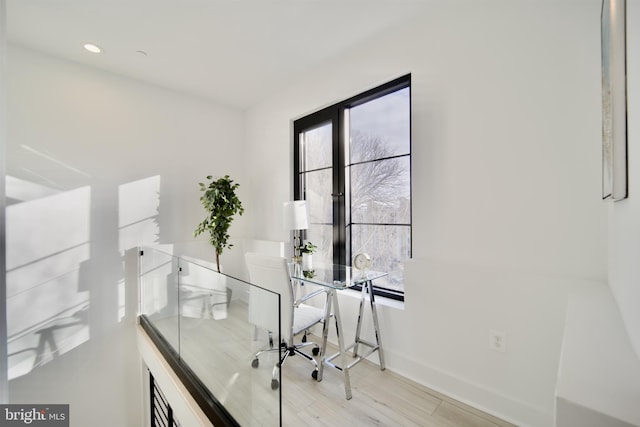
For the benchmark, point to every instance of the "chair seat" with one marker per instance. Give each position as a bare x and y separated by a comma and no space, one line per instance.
271,275
305,316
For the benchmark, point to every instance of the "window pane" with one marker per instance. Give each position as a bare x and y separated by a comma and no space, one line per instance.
322,237
316,146
317,193
388,246
380,192
381,127
370,179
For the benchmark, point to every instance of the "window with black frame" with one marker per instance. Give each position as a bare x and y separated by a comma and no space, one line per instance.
352,163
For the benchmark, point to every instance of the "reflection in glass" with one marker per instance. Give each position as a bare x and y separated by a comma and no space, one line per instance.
360,178
388,247
380,192
379,176
321,235
159,293
317,182
381,127
316,146
204,315
318,196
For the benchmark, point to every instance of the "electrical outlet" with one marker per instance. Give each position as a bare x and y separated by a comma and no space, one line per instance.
498,341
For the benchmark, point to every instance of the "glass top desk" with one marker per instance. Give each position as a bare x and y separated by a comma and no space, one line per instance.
334,278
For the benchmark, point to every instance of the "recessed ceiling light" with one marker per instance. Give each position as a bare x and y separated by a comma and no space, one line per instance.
92,48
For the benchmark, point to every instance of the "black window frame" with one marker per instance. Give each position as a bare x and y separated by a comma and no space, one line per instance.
335,114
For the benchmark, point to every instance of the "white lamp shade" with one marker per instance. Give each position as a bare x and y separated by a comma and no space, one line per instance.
296,215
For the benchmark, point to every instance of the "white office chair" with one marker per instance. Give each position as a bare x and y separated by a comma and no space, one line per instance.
272,273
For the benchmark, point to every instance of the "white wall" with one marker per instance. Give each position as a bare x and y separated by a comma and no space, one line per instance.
96,163
3,136
506,149
506,188
624,227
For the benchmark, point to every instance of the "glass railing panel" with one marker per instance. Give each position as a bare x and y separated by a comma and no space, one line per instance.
218,341
159,293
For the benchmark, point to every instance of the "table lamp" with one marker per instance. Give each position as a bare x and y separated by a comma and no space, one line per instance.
296,218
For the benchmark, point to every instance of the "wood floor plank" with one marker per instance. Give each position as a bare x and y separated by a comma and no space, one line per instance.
458,417
221,351
408,398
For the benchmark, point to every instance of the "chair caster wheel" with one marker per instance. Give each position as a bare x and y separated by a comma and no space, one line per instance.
314,374
275,384
315,351
304,338
255,362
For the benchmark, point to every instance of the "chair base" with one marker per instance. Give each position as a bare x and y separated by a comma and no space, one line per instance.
288,350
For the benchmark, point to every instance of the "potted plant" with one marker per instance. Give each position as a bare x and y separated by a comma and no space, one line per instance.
222,204
307,250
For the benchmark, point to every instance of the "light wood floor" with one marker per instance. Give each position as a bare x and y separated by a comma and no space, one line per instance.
380,398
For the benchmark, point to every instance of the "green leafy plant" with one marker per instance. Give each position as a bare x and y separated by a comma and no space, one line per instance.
222,204
308,248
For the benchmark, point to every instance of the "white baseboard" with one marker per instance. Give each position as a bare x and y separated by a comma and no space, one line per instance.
469,393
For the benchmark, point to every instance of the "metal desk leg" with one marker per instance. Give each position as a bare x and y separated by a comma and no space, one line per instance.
344,367
341,348
325,332
359,324
374,313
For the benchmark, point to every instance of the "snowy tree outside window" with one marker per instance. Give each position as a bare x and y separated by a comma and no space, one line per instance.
353,166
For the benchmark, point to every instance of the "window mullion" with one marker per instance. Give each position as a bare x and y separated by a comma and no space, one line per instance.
374,191
339,234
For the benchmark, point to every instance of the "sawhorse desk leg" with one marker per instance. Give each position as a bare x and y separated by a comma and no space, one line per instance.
344,367
367,287
342,351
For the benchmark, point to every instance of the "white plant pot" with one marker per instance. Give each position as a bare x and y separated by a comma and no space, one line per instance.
307,262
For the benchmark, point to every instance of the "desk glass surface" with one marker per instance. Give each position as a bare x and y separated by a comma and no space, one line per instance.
333,275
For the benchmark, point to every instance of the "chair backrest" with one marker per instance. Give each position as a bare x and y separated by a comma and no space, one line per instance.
271,273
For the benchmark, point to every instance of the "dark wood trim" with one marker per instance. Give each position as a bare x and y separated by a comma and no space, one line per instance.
213,409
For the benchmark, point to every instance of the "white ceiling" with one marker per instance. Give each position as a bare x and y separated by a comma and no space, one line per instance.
235,52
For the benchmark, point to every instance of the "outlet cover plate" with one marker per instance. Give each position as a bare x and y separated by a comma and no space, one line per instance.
498,341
